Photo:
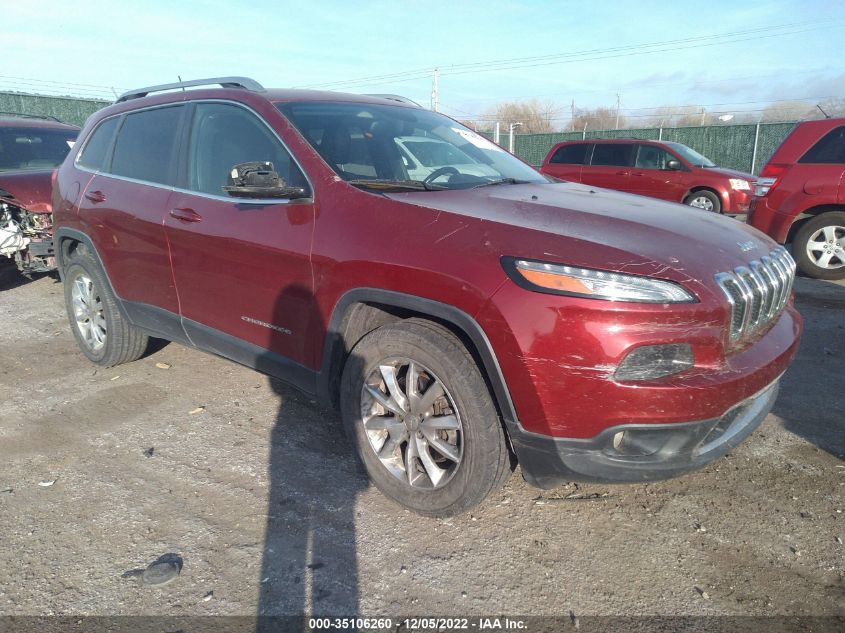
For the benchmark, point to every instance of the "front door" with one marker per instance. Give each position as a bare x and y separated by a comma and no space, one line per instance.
242,266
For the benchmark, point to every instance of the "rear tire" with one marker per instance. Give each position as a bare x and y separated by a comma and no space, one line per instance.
819,246
103,333
438,460
704,200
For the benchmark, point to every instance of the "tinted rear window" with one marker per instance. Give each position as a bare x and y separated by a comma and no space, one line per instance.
145,145
570,154
829,149
94,152
615,154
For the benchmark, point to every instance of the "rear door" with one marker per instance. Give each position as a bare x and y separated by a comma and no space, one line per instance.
610,166
567,161
821,169
651,177
123,206
242,266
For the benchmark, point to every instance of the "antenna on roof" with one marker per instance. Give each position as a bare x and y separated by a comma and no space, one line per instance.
826,115
179,77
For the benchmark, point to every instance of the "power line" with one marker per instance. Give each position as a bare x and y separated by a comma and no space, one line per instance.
589,55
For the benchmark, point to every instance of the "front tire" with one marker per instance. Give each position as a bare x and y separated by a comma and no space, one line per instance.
819,246
422,419
104,335
704,200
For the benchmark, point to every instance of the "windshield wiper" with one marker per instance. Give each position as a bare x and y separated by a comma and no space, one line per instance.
413,185
502,181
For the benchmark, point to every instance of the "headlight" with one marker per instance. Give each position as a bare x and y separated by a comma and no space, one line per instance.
739,184
593,284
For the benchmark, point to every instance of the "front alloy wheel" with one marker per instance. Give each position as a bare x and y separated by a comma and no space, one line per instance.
422,418
87,306
412,423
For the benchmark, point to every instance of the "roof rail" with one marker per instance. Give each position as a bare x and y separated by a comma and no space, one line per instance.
226,82
31,116
398,98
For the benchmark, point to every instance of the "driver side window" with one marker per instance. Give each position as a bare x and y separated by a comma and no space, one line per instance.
224,135
652,157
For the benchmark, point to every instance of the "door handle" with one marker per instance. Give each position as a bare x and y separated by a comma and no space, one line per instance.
623,173
185,215
637,173
95,196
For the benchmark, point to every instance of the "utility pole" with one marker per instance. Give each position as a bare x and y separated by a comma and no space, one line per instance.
572,115
435,95
496,134
618,102
703,114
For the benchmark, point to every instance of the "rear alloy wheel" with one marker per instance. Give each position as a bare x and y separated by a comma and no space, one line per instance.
87,309
422,418
104,335
706,200
819,246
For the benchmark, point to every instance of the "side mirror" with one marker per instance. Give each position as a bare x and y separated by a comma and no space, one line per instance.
260,180
673,165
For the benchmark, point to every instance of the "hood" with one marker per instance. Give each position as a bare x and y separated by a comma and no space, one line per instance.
729,173
575,224
31,190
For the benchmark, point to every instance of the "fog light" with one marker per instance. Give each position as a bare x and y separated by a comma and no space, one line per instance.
617,440
655,361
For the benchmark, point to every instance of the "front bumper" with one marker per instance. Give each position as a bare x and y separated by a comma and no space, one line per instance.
645,452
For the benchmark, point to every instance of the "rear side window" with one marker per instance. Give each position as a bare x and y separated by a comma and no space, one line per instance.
224,135
95,150
829,149
570,154
616,154
145,145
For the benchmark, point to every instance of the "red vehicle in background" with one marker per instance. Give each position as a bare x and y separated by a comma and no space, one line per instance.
669,171
799,197
30,149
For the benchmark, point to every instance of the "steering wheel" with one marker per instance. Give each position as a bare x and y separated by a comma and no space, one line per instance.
439,172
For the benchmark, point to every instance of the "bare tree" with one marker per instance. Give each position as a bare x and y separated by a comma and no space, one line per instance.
789,111
600,118
536,117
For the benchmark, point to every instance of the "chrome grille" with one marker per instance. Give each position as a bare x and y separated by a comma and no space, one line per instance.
757,292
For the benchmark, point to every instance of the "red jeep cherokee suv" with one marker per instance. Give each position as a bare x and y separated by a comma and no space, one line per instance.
800,198
657,169
452,319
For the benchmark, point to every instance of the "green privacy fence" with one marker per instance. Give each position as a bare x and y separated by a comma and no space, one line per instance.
65,109
743,147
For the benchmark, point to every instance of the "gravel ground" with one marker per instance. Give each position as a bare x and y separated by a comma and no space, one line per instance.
255,488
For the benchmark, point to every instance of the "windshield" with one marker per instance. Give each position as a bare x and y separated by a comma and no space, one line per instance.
373,144
33,148
691,156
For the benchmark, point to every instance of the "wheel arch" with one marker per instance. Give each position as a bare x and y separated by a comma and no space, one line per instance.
362,310
723,196
67,240
808,214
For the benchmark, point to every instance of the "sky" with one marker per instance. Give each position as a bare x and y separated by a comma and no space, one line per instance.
594,51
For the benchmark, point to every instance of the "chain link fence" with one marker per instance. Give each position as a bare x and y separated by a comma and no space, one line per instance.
742,147
65,109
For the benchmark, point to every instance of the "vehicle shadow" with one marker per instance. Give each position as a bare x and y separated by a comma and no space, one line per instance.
812,399
309,565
